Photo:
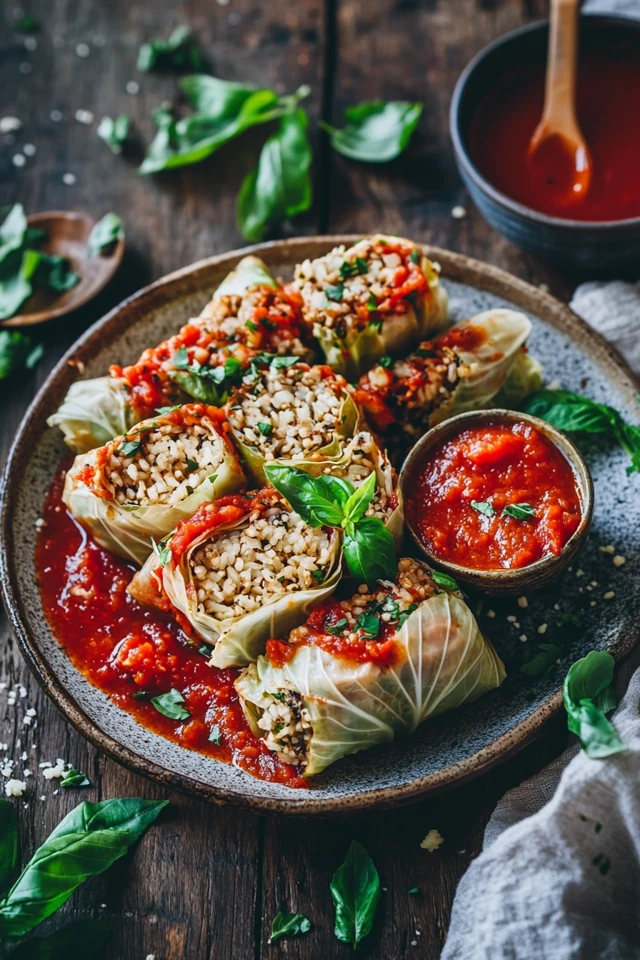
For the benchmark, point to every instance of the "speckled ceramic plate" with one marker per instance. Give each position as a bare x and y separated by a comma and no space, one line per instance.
446,751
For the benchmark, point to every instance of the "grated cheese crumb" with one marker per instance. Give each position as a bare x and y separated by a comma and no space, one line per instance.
619,560
15,788
432,841
542,628
523,637
608,549
491,613
523,602
609,595
57,771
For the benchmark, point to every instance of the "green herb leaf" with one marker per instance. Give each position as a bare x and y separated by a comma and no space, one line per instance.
311,497
210,385
414,256
55,273
162,551
16,281
8,844
588,696
82,938
414,890
106,231
163,411
130,447
335,293
17,351
216,735
372,303
266,429
278,695
280,186
169,705
543,660
385,362
85,843
114,132
369,624
575,414
404,616
355,891
356,505
444,580
73,778
289,925
141,695
175,53
12,231
519,511
483,507
317,576
351,268
205,650
338,627
191,465
569,620
377,131
370,551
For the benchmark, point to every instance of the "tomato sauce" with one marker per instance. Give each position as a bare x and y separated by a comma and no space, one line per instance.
129,651
494,466
608,105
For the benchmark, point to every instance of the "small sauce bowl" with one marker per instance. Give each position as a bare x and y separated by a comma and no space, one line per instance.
503,581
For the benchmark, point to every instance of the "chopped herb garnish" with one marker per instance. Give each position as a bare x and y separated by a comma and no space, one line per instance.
519,511
444,580
351,268
483,507
289,925
163,411
335,292
252,326
140,695
404,616
189,490
337,628
213,478
385,362
278,728
181,358
162,551
391,607
372,302
170,705
191,465
425,352
414,256
266,429
376,323
317,575
73,778
205,650
278,695
129,447
368,624
414,890
215,736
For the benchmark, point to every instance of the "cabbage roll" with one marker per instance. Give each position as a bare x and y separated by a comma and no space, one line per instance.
248,316
139,486
378,298
290,412
241,570
362,670
463,369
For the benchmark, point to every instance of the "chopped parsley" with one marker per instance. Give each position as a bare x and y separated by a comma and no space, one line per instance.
369,624
391,607
335,292
266,429
317,575
351,268
129,447
337,628
191,465
213,478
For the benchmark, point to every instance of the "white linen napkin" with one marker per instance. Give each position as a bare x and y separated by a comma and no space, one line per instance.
559,874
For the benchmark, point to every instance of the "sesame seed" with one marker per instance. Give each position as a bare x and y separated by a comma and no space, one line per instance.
133,87
18,160
29,150
619,560
609,595
542,628
69,179
458,212
523,602
83,50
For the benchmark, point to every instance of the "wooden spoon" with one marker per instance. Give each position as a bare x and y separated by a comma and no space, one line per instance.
68,236
558,147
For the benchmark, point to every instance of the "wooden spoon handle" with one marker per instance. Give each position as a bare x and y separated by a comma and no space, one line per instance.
560,88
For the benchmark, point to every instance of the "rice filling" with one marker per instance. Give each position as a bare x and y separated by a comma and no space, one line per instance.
287,726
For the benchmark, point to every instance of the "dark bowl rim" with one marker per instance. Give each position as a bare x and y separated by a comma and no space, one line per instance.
563,443
464,158
456,267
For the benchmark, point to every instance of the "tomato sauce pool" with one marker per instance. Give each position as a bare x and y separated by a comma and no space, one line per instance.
132,653
608,105
500,495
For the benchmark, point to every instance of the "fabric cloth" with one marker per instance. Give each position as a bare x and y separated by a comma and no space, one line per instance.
559,874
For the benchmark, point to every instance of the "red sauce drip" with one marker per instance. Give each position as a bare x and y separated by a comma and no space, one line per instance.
124,648
608,104
462,338
502,464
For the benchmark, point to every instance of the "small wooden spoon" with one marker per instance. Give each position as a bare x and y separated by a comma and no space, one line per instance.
558,141
68,236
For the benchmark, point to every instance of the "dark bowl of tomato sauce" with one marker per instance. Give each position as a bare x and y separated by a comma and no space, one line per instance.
495,108
497,499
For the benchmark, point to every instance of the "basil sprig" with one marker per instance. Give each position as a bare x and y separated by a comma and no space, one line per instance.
588,696
17,351
210,385
289,925
329,501
355,891
85,843
377,131
105,233
177,52
575,414
170,705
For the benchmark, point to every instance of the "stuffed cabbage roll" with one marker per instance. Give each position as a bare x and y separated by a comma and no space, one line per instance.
363,670
291,412
140,485
241,570
248,315
463,369
377,298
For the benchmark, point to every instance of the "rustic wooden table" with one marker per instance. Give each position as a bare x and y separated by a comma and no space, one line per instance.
206,881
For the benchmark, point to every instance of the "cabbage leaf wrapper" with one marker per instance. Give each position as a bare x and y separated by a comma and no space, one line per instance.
243,569
135,489
465,368
293,413
378,298
325,695
247,315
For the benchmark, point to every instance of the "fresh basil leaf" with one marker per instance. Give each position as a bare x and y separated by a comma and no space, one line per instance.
55,273
289,925
370,551
82,938
483,507
369,624
8,844
141,695
542,661
576,414
106,231
225,110
16,351
377,131
587,694
114,132
355,891
372,304
85,843
338,489
352,268
280,186
216,735
308,496
444,580
170,705
163,411
130,447
191,465
317,576
356,505
519,511
12,231
404,616
210,385
337,628
335,293
175,53
16,284
266,429
73,778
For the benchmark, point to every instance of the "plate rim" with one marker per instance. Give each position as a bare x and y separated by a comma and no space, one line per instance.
455,266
